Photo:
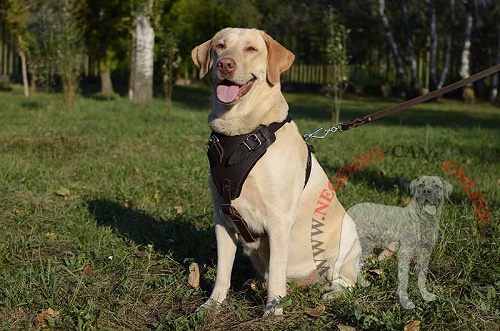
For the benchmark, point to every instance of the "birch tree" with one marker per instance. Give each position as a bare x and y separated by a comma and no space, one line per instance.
447,56
466,49
17,14
141,72
394,48
408,36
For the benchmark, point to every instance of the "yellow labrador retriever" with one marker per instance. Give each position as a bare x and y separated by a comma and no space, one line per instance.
283,210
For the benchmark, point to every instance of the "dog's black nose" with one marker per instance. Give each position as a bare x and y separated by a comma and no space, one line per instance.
226,66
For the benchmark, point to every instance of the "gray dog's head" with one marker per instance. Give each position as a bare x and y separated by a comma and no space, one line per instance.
429,192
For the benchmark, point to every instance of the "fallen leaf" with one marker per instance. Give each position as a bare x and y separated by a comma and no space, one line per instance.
412,326
47,316
316,311
178,209
88,271
62,192
140,254
345,328
194,275
389,251
126,203
51,235
377,272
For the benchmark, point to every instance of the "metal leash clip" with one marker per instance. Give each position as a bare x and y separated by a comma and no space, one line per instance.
316,133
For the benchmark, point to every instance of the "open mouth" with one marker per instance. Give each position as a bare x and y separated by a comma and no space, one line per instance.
430,208
229,92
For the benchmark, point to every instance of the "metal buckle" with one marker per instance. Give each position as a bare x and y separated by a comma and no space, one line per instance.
257,139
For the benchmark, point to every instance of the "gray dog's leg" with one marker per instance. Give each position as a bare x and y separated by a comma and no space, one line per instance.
422,266
404,257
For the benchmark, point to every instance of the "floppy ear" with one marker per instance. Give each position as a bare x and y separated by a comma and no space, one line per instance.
448,188
413,186
279,59
202,57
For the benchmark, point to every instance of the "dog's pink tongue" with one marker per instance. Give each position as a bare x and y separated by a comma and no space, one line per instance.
226,93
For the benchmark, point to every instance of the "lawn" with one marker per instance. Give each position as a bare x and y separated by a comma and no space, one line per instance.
103,207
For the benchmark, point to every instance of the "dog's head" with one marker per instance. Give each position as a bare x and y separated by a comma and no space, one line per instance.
239,61
429,192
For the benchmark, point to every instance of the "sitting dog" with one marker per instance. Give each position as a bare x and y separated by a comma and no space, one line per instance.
268,190
415,227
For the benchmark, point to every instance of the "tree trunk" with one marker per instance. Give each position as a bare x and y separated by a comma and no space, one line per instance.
447,56
142,91
167,84
465,59
494,78
415,84
106,82
24,67
394,48
433,82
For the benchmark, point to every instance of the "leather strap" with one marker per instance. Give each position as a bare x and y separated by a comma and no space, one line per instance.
415,101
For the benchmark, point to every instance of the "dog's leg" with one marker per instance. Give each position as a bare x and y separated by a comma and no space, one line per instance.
404,258
279,246
226,251
348,241
423,266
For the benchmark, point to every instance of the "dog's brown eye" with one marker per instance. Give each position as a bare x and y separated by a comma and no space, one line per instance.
220,46
251,49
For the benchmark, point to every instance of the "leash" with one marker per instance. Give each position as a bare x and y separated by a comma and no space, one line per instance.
344,126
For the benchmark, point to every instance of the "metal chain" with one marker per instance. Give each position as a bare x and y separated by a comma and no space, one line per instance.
320,135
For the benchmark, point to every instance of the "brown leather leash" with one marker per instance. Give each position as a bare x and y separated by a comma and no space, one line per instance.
344,126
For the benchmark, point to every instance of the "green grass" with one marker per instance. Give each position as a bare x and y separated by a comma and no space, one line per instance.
120,188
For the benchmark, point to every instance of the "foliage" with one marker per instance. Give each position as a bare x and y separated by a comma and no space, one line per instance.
125,192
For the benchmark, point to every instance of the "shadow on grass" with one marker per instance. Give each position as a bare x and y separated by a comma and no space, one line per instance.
178,235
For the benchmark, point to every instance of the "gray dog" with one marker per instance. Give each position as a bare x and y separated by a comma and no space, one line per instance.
415,227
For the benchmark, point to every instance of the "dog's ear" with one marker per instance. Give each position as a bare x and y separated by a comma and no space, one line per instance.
279,59
448,188
413,185
202,57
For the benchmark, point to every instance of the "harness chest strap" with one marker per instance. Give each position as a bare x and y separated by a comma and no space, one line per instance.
231,159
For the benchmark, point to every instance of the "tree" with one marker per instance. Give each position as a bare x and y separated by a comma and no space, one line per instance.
394,48
107,35
408,36
339,63
17,15
147,14
466,49
447,56
70,27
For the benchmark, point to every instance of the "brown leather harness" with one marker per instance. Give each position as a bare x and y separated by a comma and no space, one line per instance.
231,160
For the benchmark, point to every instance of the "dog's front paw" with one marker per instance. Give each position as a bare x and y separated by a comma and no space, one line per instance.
406,302
331,295
209,304
428,297
275,307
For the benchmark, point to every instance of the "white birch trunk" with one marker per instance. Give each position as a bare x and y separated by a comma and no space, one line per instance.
142,88
394,48
465,59
447,56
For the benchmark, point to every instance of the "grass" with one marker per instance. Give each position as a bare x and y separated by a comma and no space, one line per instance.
102,207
